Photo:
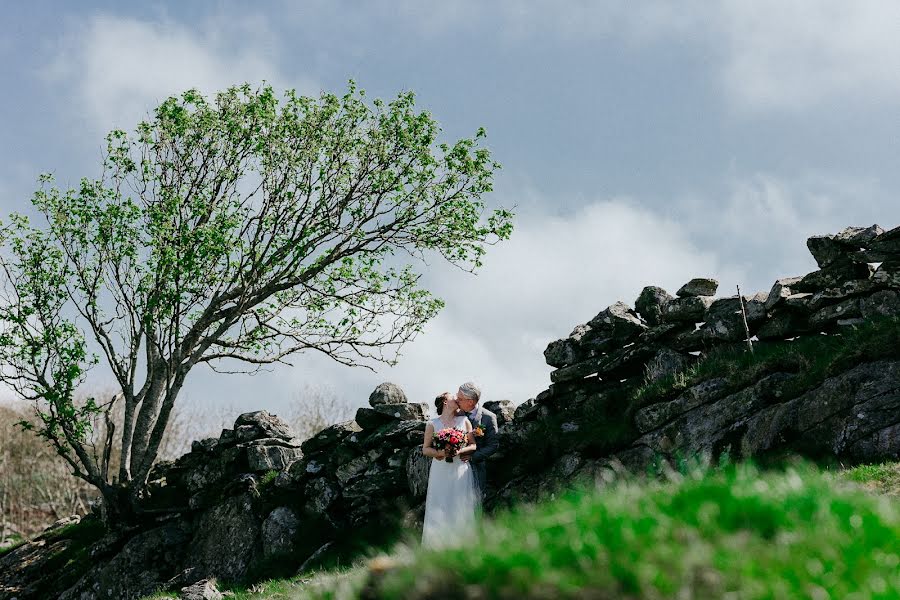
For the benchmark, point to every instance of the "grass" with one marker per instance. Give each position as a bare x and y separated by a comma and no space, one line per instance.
734,531
788,533
812,358
883,478
18,541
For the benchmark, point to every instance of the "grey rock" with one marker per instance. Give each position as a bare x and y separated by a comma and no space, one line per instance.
619,321
568,350
137,569
844,291
664,363
330,436
688,309
526,409
799,301
418,467
828,315
201,590
404,412
756,307
850,416
504,409
370,419
885,303
700,286
233,524
650,302
320,495
205,445
279,532
833,276
264,425
356,467
781,290
266,458
398,433
724,321
783,324
830,249
387,393
655,415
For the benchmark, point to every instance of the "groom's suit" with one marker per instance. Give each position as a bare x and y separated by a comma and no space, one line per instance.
485,445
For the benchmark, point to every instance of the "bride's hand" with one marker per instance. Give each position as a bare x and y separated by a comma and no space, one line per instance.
440,454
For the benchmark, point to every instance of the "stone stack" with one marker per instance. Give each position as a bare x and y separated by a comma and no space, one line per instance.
620,342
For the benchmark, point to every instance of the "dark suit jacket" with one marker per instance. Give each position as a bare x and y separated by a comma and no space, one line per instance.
485,445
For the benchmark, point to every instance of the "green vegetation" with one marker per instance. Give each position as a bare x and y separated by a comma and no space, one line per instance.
72,559
883,478
793,531
812,358
17,541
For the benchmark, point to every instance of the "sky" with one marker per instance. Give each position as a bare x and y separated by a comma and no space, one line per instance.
640,143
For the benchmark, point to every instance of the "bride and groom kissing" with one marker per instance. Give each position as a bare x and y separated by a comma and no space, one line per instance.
458,441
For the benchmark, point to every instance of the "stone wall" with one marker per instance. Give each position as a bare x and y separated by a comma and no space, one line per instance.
852,416
257,502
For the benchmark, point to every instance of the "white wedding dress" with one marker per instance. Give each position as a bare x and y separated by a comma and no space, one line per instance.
451,501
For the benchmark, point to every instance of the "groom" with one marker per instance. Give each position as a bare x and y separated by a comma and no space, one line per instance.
486,439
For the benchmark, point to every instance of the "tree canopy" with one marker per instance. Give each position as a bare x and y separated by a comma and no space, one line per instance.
238,230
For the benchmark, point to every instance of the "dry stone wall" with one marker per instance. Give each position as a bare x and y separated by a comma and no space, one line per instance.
257,502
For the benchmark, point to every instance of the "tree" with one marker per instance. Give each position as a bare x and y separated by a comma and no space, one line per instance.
245,229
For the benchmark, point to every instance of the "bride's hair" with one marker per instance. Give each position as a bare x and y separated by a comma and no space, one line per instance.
440,401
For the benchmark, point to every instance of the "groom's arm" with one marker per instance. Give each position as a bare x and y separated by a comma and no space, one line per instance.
491,441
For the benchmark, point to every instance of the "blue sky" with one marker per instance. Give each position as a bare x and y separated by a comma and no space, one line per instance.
641,143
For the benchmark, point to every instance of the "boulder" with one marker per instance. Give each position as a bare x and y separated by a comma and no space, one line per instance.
833,276
279,532
619,320
205,589
724,321
320,495
370,419
504,409
650,304
387,393
688,309
699,286
330,436
266,458
831,249
224,538
885,303
261,424
780,291
828,315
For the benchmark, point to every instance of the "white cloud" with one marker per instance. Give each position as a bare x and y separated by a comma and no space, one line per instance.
791,55
118,69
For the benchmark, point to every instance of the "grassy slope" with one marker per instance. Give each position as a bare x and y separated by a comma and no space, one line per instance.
790,532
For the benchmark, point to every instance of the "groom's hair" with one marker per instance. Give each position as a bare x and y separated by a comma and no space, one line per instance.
471,390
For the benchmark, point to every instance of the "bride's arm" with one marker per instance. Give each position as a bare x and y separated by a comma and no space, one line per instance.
427,450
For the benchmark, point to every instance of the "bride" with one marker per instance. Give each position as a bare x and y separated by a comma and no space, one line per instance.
452,499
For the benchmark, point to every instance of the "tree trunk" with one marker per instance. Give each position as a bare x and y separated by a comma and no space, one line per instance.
118,510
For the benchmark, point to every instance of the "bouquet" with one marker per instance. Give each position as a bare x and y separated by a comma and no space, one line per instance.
449,439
